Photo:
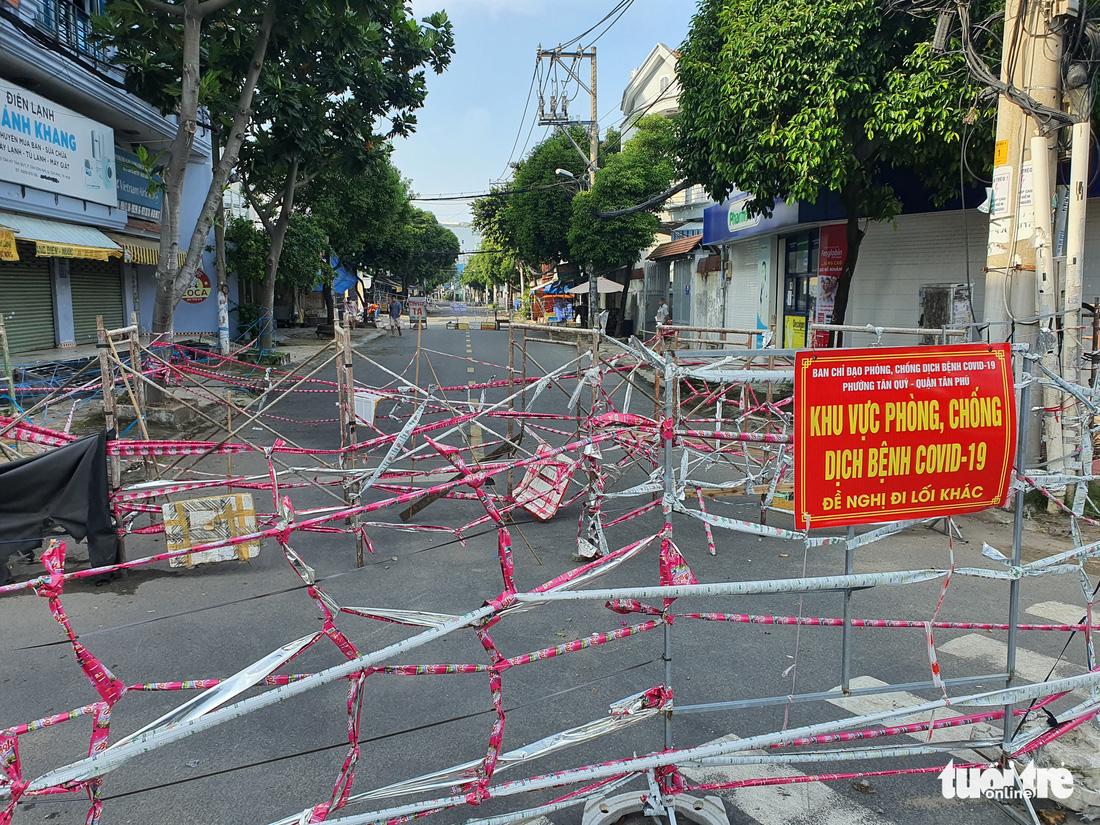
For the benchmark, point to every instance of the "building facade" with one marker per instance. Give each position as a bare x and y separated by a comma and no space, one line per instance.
79,223
924,269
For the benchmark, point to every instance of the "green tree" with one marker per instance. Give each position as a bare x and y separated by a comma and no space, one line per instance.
327,73
168,49
320,98
532,216
420,252
302,265
799,99
645,167
490,266
534,220
358,211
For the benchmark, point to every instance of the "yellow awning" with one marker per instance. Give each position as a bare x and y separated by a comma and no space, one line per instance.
50,249
8,251
145,251
54,239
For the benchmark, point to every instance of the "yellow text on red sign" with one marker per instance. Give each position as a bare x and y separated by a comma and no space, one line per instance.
893,434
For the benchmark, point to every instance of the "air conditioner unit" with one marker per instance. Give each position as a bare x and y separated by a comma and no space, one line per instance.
942,305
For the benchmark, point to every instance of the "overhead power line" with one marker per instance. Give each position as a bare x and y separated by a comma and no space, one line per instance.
500,193
613,16
620,7
522,120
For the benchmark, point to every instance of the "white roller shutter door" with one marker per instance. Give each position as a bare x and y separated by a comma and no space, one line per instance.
742,297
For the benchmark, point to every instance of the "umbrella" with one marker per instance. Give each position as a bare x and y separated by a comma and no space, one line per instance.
603,285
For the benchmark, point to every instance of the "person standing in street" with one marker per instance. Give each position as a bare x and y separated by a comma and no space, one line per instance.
395,316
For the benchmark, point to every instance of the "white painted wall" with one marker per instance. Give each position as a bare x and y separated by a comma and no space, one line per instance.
895,260
707,301
652,89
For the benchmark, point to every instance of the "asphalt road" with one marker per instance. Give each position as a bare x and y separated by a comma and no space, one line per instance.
161,624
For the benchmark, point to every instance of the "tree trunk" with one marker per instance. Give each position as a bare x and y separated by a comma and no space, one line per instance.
176,172
271,268
330,307
178,272
219,257
622,302
844,282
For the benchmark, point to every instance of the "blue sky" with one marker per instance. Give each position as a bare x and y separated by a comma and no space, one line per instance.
469,124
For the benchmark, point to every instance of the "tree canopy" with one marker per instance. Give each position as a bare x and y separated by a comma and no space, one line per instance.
324,88
301,264
491,266
359,211
799,99
534,220
327,76
546,218
645,166
420,251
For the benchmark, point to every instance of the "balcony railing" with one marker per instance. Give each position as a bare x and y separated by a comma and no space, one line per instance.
692,196
71,28
66,25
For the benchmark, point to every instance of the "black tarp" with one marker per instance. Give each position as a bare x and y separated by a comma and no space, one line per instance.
65,487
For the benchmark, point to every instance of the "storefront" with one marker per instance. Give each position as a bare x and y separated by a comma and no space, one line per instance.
97,292
27,301
787,266
65,276
753,254
671,280
57,188
85,220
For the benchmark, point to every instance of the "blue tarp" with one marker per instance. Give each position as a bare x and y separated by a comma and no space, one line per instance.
345,278
558,287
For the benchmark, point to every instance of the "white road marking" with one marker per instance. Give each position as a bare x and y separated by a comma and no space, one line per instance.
806,802
1058,612
1031,666
881,702
477,451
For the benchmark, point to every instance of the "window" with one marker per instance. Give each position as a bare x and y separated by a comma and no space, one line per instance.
800,286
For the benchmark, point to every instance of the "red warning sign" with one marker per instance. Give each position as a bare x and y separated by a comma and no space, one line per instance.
889,434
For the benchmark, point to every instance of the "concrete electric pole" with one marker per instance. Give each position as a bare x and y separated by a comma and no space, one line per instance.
1029,62
569,61
591,542
1022,297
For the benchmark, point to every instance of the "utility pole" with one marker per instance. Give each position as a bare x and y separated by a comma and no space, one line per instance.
569,61
593,282
1030,62
594,129
591,542
1020,294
